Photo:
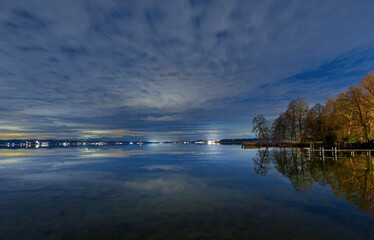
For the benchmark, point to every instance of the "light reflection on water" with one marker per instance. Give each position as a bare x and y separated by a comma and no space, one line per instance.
182,192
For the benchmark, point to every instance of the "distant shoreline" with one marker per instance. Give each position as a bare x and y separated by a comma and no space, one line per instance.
245,143
53,143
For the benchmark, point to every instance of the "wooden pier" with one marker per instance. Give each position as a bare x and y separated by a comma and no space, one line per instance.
335,152
258,144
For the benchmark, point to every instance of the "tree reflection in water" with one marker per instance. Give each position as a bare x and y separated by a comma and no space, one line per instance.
351,178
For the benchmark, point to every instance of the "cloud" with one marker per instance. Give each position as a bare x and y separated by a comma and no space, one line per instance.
28,135
161,118
77,134
202,65
110,133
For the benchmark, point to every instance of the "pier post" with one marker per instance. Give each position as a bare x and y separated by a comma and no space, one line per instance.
320,151
323,153
309,154
336,154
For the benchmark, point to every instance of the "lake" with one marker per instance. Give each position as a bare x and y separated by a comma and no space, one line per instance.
183,192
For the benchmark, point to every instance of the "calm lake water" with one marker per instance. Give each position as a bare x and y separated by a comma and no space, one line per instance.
183,192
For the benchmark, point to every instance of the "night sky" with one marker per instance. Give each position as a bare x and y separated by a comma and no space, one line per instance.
172,70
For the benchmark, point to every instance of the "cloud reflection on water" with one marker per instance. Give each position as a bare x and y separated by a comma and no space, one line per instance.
157,192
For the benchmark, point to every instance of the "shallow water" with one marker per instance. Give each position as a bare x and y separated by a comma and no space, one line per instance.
183,192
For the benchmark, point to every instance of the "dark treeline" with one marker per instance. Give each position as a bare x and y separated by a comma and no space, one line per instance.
348,118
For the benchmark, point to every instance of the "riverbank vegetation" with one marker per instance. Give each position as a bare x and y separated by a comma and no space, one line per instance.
347,118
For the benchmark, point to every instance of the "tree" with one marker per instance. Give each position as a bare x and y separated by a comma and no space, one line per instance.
296,114
362,111
329,121
348,117
260,126
367,85
313,124
280,128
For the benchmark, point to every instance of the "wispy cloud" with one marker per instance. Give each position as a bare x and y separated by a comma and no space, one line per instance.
166,118
194,64
119,133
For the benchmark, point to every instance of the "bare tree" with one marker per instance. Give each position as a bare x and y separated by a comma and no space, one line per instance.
280,128
260,126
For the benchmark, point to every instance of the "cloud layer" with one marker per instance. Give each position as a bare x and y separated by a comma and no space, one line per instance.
148,68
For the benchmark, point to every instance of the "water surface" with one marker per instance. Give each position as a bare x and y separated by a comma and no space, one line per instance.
183,192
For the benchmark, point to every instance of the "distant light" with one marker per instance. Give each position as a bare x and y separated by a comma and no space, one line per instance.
210,142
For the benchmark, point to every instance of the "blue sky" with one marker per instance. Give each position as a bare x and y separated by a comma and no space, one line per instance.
172,70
